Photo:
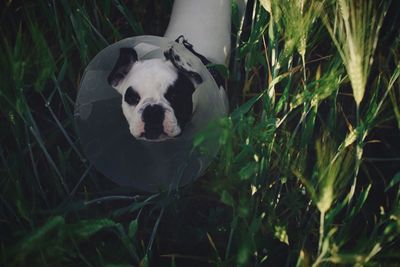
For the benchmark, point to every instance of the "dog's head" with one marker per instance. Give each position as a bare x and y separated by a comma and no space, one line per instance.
156,93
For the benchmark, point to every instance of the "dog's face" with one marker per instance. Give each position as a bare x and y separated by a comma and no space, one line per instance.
156,94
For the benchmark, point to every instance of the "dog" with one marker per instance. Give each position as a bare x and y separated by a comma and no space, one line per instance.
157,93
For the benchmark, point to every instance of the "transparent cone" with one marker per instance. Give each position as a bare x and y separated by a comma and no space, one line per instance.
104,133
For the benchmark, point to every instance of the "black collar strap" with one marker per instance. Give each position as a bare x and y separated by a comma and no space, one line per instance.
220,81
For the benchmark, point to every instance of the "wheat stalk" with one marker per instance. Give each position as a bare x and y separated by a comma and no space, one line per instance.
355,32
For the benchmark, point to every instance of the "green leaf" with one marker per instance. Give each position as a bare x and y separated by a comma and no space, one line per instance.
173,262
144,262
44,63
393,182
86,228
137,28
221,69
361,201
133,226
34,240
248,171
227,199
243,254
134,206
243,109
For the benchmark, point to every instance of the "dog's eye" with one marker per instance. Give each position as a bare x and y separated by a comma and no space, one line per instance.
131,96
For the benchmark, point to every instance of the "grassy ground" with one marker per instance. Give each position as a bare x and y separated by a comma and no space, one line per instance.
309,168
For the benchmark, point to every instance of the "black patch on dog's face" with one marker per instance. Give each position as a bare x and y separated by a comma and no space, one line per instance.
131,97
127,56
178,64
179,95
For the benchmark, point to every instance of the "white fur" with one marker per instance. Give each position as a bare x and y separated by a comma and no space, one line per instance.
150,79
206,24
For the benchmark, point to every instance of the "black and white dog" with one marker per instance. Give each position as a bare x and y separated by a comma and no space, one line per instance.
157,93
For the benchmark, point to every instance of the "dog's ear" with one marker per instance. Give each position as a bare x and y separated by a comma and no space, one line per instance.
127,57
183,66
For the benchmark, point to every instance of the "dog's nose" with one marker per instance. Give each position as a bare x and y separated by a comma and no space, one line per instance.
153,118
153,114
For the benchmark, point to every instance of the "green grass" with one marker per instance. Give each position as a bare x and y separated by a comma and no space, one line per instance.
307,174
